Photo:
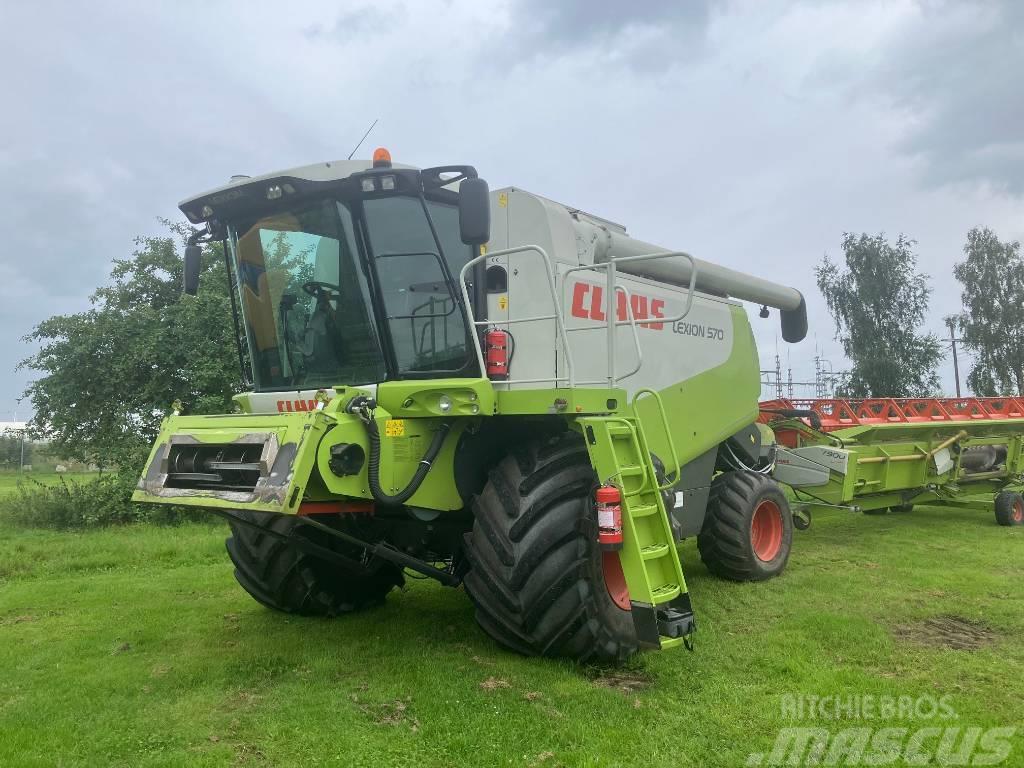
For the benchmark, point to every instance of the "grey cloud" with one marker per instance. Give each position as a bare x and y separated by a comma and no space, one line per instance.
957,75
368,21
755,151
646,35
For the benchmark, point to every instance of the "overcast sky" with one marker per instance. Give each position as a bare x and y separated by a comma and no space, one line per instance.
748,133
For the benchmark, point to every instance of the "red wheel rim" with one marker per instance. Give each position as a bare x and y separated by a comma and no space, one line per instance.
1018,511
615,580
766,530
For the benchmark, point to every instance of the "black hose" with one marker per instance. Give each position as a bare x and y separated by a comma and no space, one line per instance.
373,465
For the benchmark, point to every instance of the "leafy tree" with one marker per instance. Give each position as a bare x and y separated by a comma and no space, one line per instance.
992,323
110,374
12,443
878,303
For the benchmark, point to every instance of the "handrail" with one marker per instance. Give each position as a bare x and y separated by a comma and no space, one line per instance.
668,434
557,316
612,288
690,289
611,313
631,320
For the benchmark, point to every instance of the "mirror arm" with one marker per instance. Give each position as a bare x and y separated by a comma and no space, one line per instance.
213,230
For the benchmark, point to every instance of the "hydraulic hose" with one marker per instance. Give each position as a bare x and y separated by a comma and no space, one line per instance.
373,464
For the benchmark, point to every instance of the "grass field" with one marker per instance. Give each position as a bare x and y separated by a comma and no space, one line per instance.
134,647
9,480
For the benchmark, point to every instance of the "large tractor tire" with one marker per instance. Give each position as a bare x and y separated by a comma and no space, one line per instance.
1009,508
537,576
748,528
284,578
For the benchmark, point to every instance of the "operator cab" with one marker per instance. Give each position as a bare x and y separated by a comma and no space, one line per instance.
345,272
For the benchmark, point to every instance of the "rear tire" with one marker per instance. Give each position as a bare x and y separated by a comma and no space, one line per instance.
748,528
1009,508
283,578
536,572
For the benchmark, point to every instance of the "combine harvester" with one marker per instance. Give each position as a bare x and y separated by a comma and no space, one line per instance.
499,392
490,389
880,455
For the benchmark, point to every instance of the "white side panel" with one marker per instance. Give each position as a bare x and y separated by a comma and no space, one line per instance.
668,352
809,466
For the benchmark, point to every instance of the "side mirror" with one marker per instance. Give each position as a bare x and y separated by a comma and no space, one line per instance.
474,211
190,273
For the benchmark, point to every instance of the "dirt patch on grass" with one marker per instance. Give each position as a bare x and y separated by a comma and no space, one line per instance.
953,632
494,683
625,680
393,713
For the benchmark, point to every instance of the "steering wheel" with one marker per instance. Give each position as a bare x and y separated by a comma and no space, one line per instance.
317,288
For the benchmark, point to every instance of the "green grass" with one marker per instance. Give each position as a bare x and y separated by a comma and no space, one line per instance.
134,647
9,481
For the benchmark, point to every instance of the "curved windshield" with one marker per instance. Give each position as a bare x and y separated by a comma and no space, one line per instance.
305,302
305,285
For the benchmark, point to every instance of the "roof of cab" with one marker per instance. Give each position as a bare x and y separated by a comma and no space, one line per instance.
328,171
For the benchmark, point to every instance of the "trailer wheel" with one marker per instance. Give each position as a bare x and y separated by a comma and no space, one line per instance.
282,577
1009,508
748,528
540,583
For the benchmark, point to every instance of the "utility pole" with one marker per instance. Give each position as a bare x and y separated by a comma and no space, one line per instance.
21,433
952,342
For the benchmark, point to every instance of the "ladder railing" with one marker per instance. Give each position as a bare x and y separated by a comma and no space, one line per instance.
660,603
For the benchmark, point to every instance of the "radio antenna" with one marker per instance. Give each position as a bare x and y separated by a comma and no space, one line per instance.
362,139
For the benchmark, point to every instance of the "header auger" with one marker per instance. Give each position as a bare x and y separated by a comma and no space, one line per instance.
487,388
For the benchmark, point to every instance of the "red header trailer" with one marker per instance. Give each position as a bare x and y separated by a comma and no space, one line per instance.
833,413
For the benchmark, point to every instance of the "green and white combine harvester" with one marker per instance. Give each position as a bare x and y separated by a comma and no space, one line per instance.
490,389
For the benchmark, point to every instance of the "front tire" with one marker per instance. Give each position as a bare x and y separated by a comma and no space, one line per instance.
748,528
1009,508
537,575
284,578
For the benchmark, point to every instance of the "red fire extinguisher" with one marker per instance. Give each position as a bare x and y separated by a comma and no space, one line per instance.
496,354
609,517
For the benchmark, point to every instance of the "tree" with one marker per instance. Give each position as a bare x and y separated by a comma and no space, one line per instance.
992,323
111,373
878,303
15,449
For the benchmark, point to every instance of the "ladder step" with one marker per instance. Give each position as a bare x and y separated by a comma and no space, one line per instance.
631,470
643,510
617,430
651,551
665,592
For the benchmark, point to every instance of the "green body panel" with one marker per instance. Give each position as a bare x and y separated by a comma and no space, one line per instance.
417,399
399,458
707,408
893,464
533,402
